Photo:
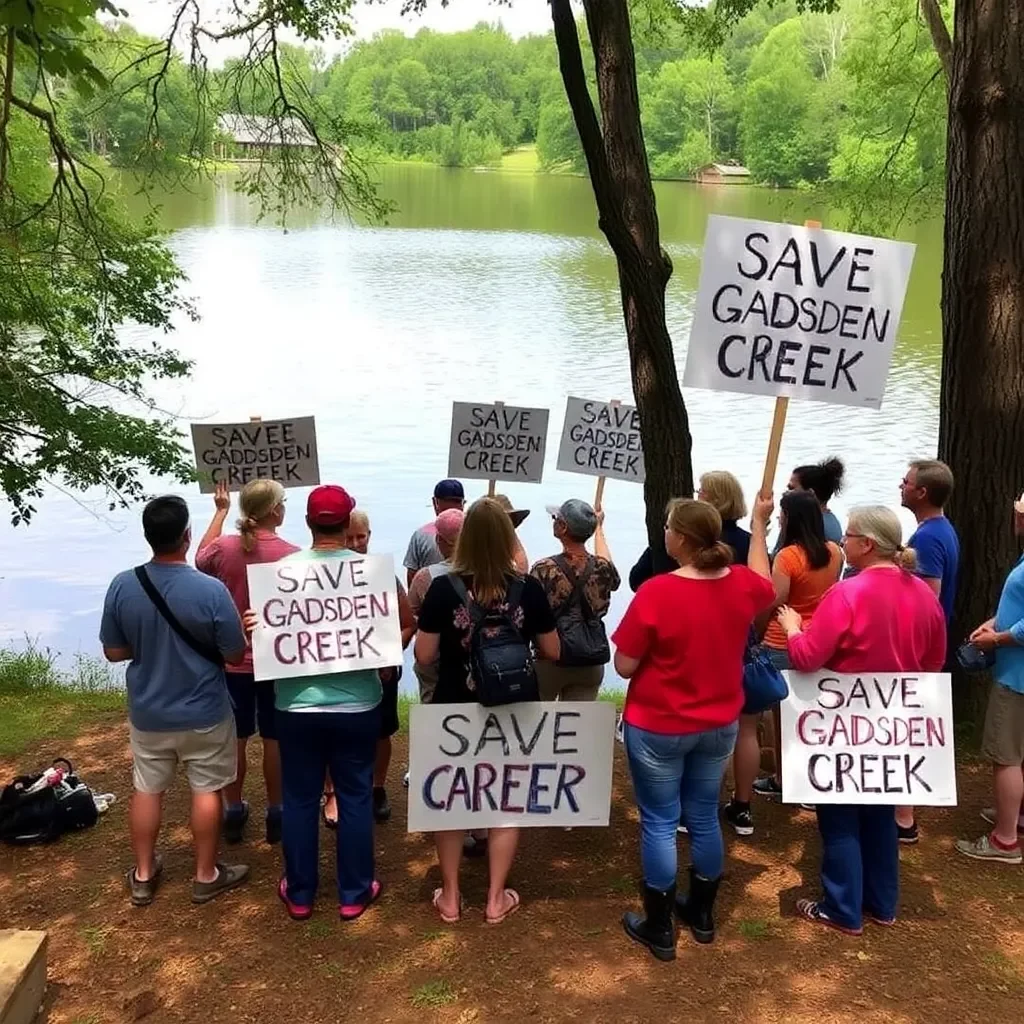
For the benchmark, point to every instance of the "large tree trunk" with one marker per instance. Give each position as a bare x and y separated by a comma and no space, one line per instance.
621,179
981,427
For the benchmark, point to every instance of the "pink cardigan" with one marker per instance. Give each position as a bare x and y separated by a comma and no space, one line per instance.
881,620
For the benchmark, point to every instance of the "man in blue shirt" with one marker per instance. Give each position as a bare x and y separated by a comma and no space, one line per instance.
1003,740
176,635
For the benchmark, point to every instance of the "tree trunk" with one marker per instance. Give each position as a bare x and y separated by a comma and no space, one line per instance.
981,425
940,36
621,179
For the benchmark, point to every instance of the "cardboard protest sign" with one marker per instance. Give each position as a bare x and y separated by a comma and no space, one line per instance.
532,765
497,442
796,312
601,439
320,616
283,450
868,739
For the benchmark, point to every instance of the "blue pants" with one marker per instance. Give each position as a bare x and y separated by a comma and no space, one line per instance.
678,778
311,743
860,862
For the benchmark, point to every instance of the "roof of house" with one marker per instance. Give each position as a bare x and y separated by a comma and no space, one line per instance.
259,130
729,170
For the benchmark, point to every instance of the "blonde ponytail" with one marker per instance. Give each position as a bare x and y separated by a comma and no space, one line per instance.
882,526
258,499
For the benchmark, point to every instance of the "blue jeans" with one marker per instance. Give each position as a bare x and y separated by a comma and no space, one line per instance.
679,777
311,743
860,862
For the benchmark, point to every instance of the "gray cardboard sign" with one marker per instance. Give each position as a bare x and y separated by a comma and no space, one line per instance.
491,441
601,439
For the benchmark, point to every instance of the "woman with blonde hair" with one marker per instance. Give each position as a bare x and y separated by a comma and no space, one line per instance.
883,620
722,490
482,579
261,504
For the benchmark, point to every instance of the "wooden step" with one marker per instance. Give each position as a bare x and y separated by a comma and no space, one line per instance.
22,975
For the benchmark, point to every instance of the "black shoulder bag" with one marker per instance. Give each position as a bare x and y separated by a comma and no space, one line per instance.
203,650
583,637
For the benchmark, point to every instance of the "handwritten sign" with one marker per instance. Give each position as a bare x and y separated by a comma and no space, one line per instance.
317,617
796,312
532,765
601,439
868,739
283,450
497,442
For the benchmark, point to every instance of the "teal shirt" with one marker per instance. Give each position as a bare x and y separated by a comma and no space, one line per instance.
342,691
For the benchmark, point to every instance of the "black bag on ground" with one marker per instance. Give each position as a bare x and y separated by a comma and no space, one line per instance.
49,812
500,659
582,633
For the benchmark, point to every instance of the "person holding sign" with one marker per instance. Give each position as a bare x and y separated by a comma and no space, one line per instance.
482,579
855,630
681,645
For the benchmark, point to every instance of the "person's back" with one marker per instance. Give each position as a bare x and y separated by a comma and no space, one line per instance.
423,549
937,546
807,585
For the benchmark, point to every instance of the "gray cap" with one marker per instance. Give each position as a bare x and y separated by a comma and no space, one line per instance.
579,517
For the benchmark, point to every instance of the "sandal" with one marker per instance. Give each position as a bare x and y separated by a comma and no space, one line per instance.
350,911
514,903
446,918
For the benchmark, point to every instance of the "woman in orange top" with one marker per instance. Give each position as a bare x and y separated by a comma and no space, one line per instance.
806,566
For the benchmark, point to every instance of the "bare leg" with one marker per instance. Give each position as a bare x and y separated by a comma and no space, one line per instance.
1009,787
206,833
380,767
501,851
777,736
330,800
144,824
272,772
233,792
905,817
449,856
746,759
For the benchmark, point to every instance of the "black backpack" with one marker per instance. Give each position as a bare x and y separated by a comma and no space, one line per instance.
582,633
45,815
500,659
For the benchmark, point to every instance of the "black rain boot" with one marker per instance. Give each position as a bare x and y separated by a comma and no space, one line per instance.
695,908
655,928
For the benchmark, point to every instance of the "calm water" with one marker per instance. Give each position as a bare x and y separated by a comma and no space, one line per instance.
483,287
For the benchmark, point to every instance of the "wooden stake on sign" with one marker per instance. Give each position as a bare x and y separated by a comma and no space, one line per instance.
599,496
771,462
490,483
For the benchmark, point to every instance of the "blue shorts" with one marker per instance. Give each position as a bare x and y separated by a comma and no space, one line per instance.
253,704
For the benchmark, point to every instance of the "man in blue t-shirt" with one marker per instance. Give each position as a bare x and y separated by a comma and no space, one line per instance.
176,636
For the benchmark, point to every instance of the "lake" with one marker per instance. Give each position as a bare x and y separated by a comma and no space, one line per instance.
484,286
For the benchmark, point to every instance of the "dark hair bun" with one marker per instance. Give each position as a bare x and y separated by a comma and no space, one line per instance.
834,471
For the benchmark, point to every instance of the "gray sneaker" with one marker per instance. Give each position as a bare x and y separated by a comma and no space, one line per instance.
143,892
989,815
982,849
228,876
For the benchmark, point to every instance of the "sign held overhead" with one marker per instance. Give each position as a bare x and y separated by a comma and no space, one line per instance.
497,442
796,312
601,439
236,453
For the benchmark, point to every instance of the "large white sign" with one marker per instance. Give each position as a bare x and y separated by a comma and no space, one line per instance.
868,739
235,453
532,765
601,439
322,616
497,442
795,311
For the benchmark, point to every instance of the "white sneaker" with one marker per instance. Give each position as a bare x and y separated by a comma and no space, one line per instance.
989,815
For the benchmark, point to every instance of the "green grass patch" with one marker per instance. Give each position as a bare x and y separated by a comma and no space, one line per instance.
319,929
753,929
623,885
39,700
95,939
433,994
522,160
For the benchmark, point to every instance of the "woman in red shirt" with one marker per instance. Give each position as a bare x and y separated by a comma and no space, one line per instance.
681,647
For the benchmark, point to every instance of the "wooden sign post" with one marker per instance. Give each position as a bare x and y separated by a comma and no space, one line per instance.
599,496
498,406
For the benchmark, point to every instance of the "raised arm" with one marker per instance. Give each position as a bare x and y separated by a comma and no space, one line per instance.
600,541
814,648
757,559
222,505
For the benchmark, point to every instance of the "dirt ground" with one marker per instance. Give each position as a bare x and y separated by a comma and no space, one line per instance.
957,953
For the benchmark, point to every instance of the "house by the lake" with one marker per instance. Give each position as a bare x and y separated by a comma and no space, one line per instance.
241,136
723,174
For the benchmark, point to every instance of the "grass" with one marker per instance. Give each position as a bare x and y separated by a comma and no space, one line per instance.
95,939
522,160
434,993
39,700
319,929
754,929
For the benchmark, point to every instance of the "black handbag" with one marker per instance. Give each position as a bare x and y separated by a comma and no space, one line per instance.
582,634
48,813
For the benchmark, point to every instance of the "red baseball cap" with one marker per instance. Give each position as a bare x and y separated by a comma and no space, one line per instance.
329,505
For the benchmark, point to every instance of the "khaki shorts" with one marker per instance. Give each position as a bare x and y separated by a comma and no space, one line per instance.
576,683
426,676
1003,740
209,755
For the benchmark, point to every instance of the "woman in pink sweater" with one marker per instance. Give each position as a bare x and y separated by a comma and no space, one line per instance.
882,620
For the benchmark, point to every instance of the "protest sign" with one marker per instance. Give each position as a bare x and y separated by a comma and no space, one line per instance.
531,765
879,738
796,312
235,453
497,442
601,439
320,616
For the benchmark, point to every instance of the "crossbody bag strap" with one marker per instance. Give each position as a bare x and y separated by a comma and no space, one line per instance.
578,583
476,612
203,650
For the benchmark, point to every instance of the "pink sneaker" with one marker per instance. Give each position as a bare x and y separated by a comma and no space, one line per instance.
295,911
349,912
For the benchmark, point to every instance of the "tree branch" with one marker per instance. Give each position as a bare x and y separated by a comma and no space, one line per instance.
5,108
940,36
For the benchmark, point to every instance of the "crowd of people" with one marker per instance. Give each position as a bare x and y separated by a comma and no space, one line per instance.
853,599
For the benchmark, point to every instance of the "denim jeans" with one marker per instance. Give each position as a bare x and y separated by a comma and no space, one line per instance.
311,743
860,862
679,777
